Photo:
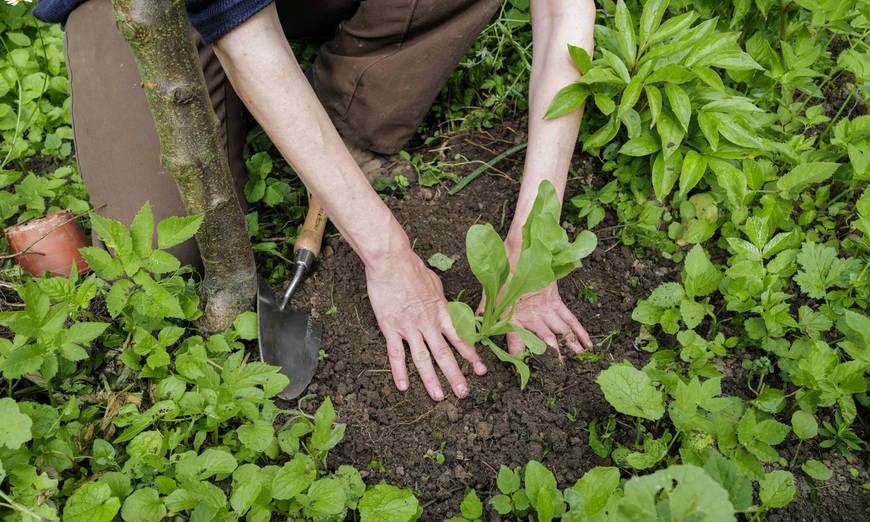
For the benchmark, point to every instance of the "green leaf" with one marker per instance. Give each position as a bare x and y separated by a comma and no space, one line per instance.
820,269
487,259
246,488
663,176
596,487
730,178
508,480
102,263
804,425
631,392
651,18
215,462
142,231
256,435
777,489
817,470
680,104
567,100
174,230
771,400
327,496
463,320
15,428
471,506
294,477
501,503
245,325
625,33
532,273
730,477
666,295
93,502
802,176
692,312
144,505
441,261
694,167
386,503
671,133
654,97
688,492
580,57
702,277
642,146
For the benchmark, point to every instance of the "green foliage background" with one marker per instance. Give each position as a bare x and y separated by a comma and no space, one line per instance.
735,143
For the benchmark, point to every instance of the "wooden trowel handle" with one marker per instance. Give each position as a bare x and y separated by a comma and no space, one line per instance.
311,235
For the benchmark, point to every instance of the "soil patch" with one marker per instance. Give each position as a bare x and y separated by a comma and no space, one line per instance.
497,424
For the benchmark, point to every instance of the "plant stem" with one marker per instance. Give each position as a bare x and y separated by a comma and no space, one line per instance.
796,451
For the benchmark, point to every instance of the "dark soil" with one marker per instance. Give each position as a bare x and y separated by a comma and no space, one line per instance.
497,424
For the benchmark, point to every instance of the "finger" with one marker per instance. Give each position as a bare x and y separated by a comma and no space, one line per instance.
465,350
447,362
576,327
515,344
562,328
396,354
420,356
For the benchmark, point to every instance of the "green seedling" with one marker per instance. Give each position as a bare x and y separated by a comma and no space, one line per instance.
547,255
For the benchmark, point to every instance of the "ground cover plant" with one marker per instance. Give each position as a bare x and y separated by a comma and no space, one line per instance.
724,172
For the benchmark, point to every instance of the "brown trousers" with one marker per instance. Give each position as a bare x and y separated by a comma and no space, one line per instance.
381,66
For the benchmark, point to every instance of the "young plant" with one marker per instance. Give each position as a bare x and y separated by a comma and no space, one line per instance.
547,255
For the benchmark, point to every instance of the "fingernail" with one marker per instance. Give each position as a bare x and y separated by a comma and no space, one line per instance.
403,385
479,368
438,395
461,390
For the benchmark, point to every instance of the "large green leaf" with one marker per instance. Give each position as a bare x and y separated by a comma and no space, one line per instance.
93,502
15,427
386,503
487,258
631,392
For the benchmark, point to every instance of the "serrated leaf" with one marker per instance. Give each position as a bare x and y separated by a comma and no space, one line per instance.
471,506
102,263
508,480
386,503
666,295
142,231
777,489
174,230
15,428
804,175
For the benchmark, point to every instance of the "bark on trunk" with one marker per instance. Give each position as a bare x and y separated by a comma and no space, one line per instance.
192,151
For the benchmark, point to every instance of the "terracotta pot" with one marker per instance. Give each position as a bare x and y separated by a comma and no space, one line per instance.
54,242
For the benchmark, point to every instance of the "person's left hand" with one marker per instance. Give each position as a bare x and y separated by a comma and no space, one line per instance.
545,315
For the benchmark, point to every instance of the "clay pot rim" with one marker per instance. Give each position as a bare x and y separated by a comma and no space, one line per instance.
35,222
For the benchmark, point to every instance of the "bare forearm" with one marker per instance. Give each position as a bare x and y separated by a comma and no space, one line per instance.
266,75
551,142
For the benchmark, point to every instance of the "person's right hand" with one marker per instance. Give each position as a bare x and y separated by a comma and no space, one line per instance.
409,304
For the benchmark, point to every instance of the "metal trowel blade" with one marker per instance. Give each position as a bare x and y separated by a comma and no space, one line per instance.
289,339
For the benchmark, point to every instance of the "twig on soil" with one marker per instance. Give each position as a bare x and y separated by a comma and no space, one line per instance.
485,463
418,419
611,247
478,145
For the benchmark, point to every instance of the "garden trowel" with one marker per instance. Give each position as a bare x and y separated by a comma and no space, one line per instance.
290,338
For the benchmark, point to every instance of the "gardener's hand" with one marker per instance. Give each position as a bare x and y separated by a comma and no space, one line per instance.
408,301
544,313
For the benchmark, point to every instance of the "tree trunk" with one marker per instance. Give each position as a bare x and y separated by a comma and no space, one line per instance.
192,151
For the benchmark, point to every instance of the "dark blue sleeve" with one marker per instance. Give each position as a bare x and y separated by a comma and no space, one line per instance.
212,19
54,11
